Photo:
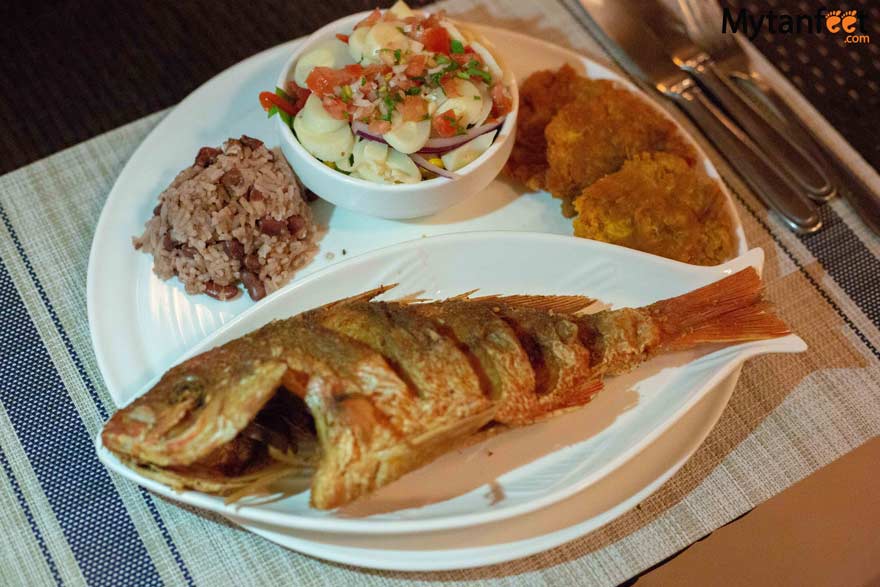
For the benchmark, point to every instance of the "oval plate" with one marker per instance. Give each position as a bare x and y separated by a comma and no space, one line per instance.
528,468
130,309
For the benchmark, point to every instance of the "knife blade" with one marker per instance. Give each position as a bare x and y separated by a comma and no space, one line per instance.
798,163
638,51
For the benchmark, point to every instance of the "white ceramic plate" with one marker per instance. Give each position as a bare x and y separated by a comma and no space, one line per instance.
131,310
531,533
530,467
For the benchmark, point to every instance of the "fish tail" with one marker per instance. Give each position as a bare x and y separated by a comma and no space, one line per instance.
729,310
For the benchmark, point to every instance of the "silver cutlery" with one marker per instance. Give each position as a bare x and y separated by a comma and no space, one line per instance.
638,51
792,159
731,65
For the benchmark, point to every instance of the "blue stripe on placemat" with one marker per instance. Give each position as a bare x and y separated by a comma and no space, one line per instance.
25,508
151,506
848,261
91,514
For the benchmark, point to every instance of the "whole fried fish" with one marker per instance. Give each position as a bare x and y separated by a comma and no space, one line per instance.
386,387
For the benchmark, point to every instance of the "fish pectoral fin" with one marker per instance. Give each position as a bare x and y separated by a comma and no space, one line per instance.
455,429
562,304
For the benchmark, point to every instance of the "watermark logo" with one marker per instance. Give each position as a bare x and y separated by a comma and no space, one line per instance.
849,24
837,21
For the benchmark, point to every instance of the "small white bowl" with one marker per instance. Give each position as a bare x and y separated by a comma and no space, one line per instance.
391,200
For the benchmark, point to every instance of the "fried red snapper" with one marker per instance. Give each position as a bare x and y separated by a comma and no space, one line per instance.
389,386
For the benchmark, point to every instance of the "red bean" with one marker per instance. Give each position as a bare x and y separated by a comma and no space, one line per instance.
234,248
251,142
232,179
295,224
255,195
188,252
254,286
272,227
252,262
310,195
158,209
206,156
168,242
221,292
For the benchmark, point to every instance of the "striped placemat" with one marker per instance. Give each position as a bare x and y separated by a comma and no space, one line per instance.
72,522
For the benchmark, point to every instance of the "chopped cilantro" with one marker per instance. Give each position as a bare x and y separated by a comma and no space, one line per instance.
477,98
413,91
463,75
485,75
456,47
281,113
441,59
397,54
364,80
282,93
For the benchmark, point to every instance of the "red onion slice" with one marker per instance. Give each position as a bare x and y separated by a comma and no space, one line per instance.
427,165
362,130
436,145
441,145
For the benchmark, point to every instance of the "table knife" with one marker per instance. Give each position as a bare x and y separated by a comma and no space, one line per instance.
638,51
798,163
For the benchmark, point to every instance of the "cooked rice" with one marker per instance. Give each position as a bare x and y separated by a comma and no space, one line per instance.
235,216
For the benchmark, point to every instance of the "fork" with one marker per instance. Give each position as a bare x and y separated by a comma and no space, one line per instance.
732,66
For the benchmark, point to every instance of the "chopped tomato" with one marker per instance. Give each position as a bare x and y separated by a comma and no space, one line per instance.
415,67
376,69
269,99
343,38
379,126
450,86
446,124
324,80
501,101
436,39
335,107
413,108
462,58
355,70
372,19
298,95
405,84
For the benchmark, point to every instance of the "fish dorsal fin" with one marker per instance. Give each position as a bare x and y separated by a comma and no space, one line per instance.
463,296
561,304
361,297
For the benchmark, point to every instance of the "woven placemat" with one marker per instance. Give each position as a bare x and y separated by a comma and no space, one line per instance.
73,522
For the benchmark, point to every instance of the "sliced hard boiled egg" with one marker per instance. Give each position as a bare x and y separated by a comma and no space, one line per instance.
468,104
331,53
383,36
435,98
401,10
403,169
453,31
408,137
468,152
357,45
327,146
316,118
489,60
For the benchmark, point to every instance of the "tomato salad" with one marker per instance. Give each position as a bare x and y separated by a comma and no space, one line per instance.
405,96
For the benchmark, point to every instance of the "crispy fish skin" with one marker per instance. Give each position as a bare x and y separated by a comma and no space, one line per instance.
593,136
391,386
659,204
